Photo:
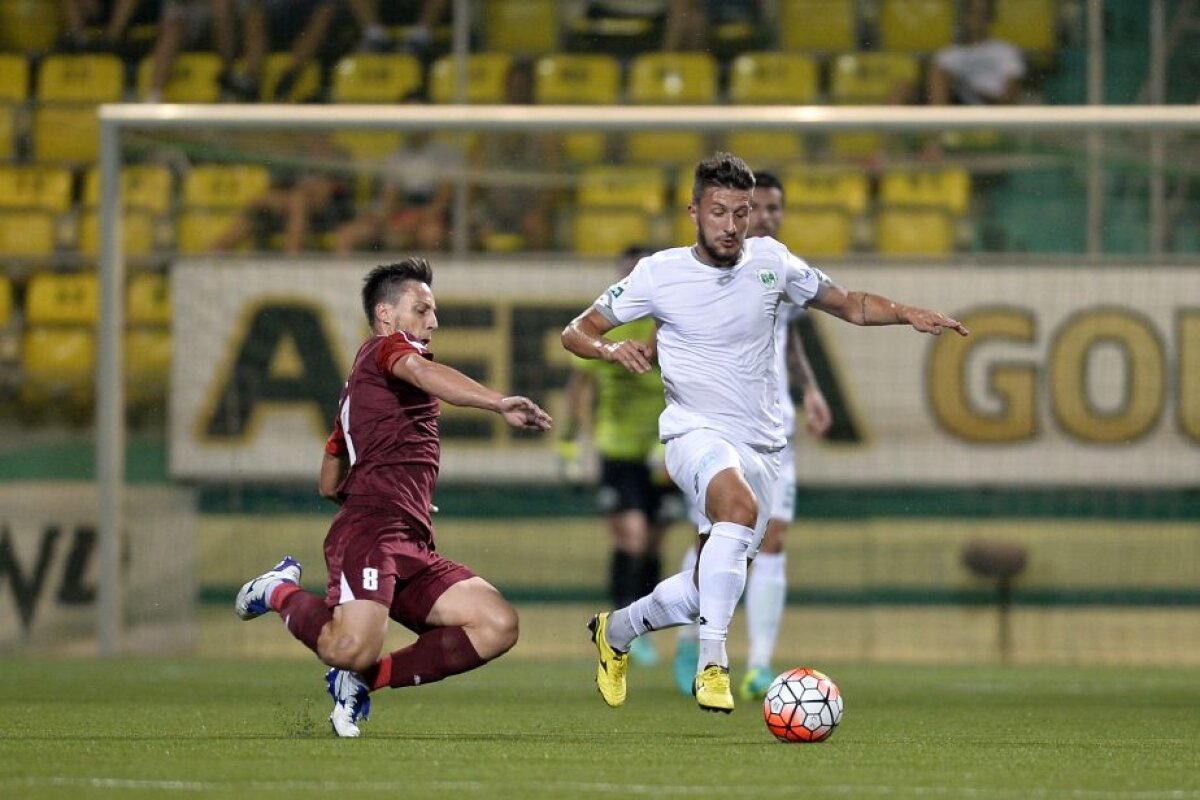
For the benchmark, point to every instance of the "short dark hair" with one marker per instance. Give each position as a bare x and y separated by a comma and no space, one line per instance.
386,282
767,180
724,170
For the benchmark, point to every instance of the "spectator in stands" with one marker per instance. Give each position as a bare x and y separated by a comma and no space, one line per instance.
79,15
981,70
420,16
299,203
685,24
182,25
412,208
511,199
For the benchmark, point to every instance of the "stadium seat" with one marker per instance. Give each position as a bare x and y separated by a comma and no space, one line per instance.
947,189
148,299
147,365
137,233
487,78
14,78
766,148
823,232
6,301
199,229
914,232
8,130
628,187
35,187
773,78
307,87
228,186
1031,25
916,25
813,188
149,187
92,78
29,25
57,366
818,25
607,232
872,78
670,148
672,79
571,78
62,299
376,78
524,27
27,233
66,134
193,78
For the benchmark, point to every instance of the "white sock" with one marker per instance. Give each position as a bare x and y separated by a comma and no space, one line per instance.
689,632
674,601
766,594
722,579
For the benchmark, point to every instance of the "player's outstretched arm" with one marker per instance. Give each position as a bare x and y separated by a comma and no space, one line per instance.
865,308
452,386
584,337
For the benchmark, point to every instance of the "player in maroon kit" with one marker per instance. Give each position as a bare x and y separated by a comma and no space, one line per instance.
380,466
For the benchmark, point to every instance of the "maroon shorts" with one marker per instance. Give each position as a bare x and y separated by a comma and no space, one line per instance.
373,555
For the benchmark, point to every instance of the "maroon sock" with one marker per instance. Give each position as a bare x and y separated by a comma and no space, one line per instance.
304,614
436,654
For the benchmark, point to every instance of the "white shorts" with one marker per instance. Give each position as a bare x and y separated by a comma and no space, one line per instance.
694,458
783,493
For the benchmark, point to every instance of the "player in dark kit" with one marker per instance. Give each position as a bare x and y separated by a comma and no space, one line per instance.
381,466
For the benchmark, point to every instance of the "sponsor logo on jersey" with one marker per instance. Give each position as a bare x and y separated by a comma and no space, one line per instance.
768,278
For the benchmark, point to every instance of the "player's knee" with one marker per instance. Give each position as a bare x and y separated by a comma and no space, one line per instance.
498,628
741,509
346,651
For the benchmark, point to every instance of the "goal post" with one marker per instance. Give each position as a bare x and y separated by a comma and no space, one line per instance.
118,119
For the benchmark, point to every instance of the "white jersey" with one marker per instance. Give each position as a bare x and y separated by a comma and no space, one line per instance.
717,335
787,407
982,70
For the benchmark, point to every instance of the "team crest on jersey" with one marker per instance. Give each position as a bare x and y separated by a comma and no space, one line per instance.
767,278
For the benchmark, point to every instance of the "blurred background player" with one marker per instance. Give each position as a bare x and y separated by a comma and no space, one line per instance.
766,585
381,466
635,492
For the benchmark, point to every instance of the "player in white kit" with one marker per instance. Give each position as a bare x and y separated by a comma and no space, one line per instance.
716,304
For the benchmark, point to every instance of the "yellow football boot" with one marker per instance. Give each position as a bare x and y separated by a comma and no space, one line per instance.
610,671
712,689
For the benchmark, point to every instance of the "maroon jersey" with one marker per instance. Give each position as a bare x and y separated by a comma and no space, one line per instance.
388,430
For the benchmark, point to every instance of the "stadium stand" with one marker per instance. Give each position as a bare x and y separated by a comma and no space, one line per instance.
814,187
9,126
629,187
69,87
916,232
817,232
578,78
193,78
522,27
947,189
137,233
147,340
59,346
818,25
1031,25
486,80
14,78
225,186
27,234
765,78
916,25
870,78
670,79
149,187
306,88
35,187
608,231
374,78
197,230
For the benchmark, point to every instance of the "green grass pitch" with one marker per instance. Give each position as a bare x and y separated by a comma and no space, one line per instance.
523,729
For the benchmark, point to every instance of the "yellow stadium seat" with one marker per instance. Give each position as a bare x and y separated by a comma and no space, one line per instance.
376,78
6,301
27,233
676,148
62,299
673,79
916,25
193,78
629,187
305,88
683,230
149,187
92,78
773,78
811,187
200,229
148,299
948,189
873,78
527,27
607,232
57,365
14,78
147,365
137,233
66,133
914,232
224,185
487,78
821,232
1031,25
8,130
368,145
771,148
821,25
29,25
36,187
577,78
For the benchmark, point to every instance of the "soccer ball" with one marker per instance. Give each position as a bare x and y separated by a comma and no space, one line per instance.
802,705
